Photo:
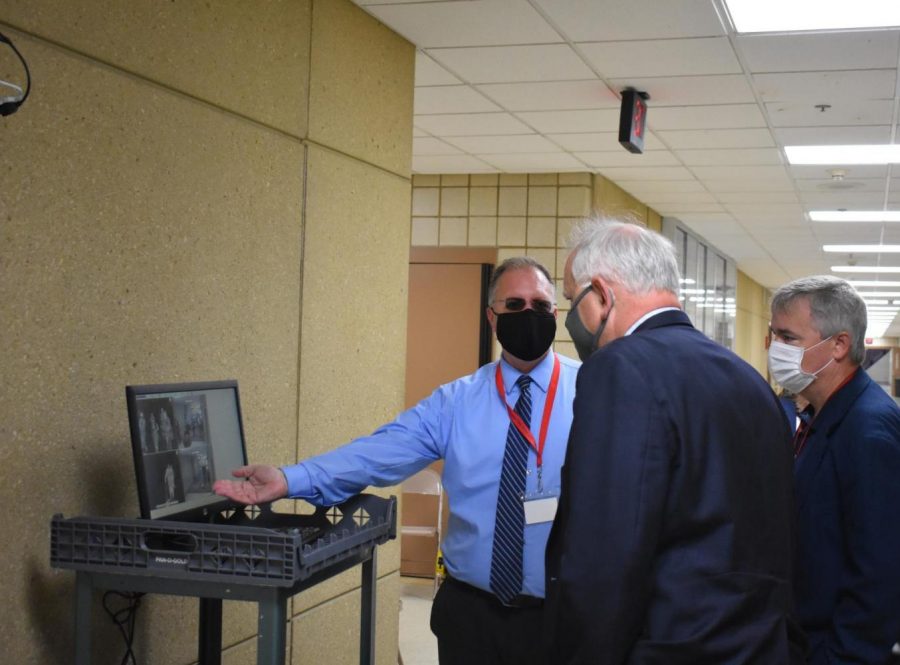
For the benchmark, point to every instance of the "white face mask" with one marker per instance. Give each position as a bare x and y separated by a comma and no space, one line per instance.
784,366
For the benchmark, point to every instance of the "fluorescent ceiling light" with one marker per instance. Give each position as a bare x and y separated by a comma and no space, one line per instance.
855,216
870,282
778,16
863,249
876,331
875,301
879,294
872,269
844,154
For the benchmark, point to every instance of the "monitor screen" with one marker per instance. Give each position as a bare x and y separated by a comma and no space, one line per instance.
184,437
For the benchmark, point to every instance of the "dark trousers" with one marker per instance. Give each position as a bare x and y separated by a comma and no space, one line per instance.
474,628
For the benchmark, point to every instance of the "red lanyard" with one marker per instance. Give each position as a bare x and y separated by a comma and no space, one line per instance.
520,424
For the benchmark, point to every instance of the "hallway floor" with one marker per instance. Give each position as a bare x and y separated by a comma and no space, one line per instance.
417,644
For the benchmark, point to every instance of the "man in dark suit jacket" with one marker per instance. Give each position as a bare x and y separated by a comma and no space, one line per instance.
847,474
673,540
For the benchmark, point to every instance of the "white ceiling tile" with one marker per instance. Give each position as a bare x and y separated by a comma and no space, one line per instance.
534,163
759,200
826,87
419,132
833,200
449,164
741,172
451,99
600,141
664,57
738,185
841,186
509,64
726,116
730,157
722,222
529,143
549,122
622,157
820,171
690,90
428,72
849,112
590,20
716,138
677,208
432,146
860,233
552,95
820,51
470,124
658,198
660,190
474,23
620,175
832,135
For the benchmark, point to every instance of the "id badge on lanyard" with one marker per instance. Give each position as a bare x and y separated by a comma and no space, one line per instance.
540,506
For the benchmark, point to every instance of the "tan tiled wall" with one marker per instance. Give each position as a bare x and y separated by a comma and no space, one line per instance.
520,214
193,192
532,214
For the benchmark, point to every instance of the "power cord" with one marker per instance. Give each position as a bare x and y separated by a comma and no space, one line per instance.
124,619
9,105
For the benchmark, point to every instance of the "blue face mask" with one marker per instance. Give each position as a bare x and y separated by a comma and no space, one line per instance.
585,341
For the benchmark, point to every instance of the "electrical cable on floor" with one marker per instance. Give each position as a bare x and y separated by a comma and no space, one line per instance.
124,619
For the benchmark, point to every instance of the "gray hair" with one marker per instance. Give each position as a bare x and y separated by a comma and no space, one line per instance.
835,307
518,263
630,254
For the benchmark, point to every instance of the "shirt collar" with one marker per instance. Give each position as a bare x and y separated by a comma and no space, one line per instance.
646,316
540,375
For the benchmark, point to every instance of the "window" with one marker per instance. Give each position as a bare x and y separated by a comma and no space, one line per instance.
708,283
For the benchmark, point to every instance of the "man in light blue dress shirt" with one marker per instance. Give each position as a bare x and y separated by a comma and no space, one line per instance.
466,424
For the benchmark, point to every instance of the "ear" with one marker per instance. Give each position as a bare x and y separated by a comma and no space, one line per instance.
491,317
602,287
842,345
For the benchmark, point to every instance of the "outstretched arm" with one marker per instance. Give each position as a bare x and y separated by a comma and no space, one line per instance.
261,484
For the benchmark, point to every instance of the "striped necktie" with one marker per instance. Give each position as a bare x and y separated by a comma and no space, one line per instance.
509,530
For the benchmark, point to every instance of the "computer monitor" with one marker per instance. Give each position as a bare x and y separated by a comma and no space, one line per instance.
184,436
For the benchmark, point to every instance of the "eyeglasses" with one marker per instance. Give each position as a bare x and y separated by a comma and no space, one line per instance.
518,304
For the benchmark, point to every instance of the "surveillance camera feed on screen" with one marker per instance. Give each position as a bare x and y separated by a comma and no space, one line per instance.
184,436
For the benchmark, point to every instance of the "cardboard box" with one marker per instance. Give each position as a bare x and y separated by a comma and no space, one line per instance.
418,535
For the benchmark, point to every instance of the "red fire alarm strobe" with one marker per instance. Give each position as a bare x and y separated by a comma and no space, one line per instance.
633,120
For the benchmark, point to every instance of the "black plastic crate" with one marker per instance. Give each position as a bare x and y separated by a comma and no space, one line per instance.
251,546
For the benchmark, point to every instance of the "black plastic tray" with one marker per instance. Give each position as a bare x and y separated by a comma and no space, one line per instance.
252,546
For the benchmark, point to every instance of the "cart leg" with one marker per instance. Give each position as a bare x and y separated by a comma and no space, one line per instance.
367,611
210,648
83,589
272,624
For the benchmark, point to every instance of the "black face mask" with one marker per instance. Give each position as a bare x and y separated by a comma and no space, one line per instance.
527,334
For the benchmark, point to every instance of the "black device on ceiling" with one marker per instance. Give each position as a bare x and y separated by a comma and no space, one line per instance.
11,104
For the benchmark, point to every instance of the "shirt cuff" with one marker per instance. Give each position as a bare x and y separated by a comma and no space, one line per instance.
299,483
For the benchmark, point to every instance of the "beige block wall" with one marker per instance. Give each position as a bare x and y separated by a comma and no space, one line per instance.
751,322
520,214
192,193
532,214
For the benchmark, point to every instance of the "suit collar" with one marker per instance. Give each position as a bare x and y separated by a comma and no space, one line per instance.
668,317
822,427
